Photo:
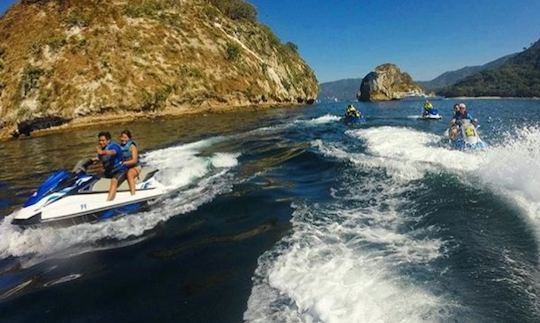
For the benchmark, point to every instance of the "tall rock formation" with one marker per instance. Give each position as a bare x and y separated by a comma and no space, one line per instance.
68,59
387,82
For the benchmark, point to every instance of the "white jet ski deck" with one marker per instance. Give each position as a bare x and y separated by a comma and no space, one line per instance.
432,114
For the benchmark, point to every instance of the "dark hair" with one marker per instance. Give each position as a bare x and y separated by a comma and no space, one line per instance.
126,132
105,134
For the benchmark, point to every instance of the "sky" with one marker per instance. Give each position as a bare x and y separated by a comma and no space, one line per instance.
349,38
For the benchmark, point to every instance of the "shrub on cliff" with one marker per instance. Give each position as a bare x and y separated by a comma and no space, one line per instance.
233,52
236,9
30,77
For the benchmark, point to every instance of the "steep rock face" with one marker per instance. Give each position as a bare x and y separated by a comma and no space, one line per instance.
387,82
75,58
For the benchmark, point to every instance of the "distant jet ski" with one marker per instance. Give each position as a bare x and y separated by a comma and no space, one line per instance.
467,137
73,197
432,114
352,115
348,119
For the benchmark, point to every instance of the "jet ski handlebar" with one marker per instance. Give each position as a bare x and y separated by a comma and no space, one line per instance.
82,165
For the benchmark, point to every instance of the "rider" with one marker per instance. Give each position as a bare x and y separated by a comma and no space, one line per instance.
352,112
110,155
131,158
427,107
458,118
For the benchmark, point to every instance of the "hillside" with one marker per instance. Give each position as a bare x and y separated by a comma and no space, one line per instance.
452,77
69,59
519,76
341,90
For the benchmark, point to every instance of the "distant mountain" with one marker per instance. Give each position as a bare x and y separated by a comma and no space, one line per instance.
341,90
452,77
518,76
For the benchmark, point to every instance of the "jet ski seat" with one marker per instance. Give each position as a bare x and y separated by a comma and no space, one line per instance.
102,185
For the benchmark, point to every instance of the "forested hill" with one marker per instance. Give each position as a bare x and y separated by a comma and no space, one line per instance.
517,77
452,77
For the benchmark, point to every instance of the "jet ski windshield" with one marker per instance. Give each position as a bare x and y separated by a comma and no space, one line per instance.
51,184
59,181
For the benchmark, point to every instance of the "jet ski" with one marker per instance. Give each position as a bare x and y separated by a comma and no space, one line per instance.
353,119
70,197
432,114
467,137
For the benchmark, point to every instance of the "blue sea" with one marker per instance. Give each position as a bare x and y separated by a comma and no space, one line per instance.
289,215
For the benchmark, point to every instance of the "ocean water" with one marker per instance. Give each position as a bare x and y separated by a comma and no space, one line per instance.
289,215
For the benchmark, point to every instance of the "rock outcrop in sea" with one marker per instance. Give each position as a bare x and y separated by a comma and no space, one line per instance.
69,59
387,82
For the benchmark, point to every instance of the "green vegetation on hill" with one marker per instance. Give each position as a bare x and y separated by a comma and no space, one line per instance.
452,77
76,58
236,9
517,77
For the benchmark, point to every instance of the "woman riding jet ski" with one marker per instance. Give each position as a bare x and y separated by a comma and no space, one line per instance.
430,113
462,132
77,196
352,115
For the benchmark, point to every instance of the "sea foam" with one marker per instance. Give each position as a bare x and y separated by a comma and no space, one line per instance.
191,179
343,261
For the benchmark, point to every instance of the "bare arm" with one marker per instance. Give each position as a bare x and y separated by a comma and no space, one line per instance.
105,152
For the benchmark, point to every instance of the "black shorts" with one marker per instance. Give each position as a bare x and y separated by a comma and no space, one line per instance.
119,175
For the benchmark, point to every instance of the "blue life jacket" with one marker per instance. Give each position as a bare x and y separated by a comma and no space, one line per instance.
113,164
458,116
126,150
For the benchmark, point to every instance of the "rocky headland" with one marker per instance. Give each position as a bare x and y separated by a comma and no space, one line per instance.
387,82
77,61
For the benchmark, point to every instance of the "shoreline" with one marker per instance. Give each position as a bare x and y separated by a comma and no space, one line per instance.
490,98
115,118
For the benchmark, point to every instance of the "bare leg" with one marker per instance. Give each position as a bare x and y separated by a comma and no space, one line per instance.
112,189
453,133
131,176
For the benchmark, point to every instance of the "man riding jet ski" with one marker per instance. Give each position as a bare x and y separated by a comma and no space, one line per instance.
78,196
462,132
430,113
352,115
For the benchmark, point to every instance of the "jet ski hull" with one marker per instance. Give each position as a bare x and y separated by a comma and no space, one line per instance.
85,207
460,144
431,117
433,114
76,197
353,120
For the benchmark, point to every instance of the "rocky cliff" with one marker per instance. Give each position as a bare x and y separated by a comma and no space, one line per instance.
68,59
387,82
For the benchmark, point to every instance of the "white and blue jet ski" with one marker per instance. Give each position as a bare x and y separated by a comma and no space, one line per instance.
432,114
467,137
73,197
